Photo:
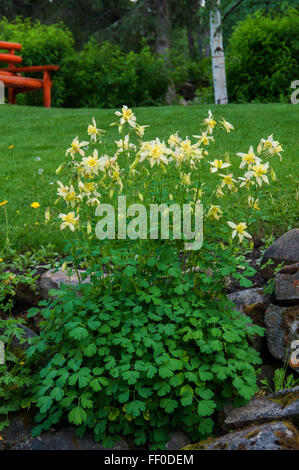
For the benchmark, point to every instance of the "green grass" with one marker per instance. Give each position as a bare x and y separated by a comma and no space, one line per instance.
46,133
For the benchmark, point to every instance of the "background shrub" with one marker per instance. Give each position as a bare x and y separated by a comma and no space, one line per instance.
263,58
105,76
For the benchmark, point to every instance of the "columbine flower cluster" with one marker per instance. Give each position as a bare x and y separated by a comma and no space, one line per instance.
149,169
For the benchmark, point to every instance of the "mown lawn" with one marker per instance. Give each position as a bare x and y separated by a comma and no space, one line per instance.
38,133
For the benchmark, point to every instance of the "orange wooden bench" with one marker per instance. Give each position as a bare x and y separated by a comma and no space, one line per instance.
16,83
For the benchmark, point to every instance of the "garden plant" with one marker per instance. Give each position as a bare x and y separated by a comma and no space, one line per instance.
148,340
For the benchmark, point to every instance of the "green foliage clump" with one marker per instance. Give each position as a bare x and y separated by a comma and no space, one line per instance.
263,58
105,76
14,370
42,45
144,350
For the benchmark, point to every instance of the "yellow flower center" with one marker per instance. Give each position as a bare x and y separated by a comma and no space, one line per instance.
241,228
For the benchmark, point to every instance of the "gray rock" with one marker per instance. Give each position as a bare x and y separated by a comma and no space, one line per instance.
178,440
277,406
251,302
271,436
22,343
282,328
65,439
53,279
287,283
19,428
284,249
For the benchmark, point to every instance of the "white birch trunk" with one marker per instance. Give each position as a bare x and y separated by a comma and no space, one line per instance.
218,58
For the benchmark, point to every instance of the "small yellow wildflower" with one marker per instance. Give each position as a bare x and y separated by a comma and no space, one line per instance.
219,192
3,203
174,140
93,132
10,147
47,215
1,259
253,203
240,230
204,138
69,220
214,212
76,147
88,228
227,180
217,164
210,122
35,205
126,115
259,171
227,126
248,159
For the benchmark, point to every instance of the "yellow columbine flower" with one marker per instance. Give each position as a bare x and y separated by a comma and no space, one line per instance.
270,145
186,178
210,122
11,147
35,205
214,212
253,203
92,164
227,126
240,230
76,147
156,151
3,203
47,215
259,171
204,138
126,115
88,228
71,197
217,164
1,259
219,192
93,132
248,159
174,140
69,220
227,180
140,130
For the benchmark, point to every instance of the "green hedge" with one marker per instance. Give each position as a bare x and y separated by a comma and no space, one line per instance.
105,76
263,58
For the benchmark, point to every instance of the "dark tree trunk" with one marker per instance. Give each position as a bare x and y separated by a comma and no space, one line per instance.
191,42
163,27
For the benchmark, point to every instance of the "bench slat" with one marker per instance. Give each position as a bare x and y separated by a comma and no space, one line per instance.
10,45
10,58
33,68
21,82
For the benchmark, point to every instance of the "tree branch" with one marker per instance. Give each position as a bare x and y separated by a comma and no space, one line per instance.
231,10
